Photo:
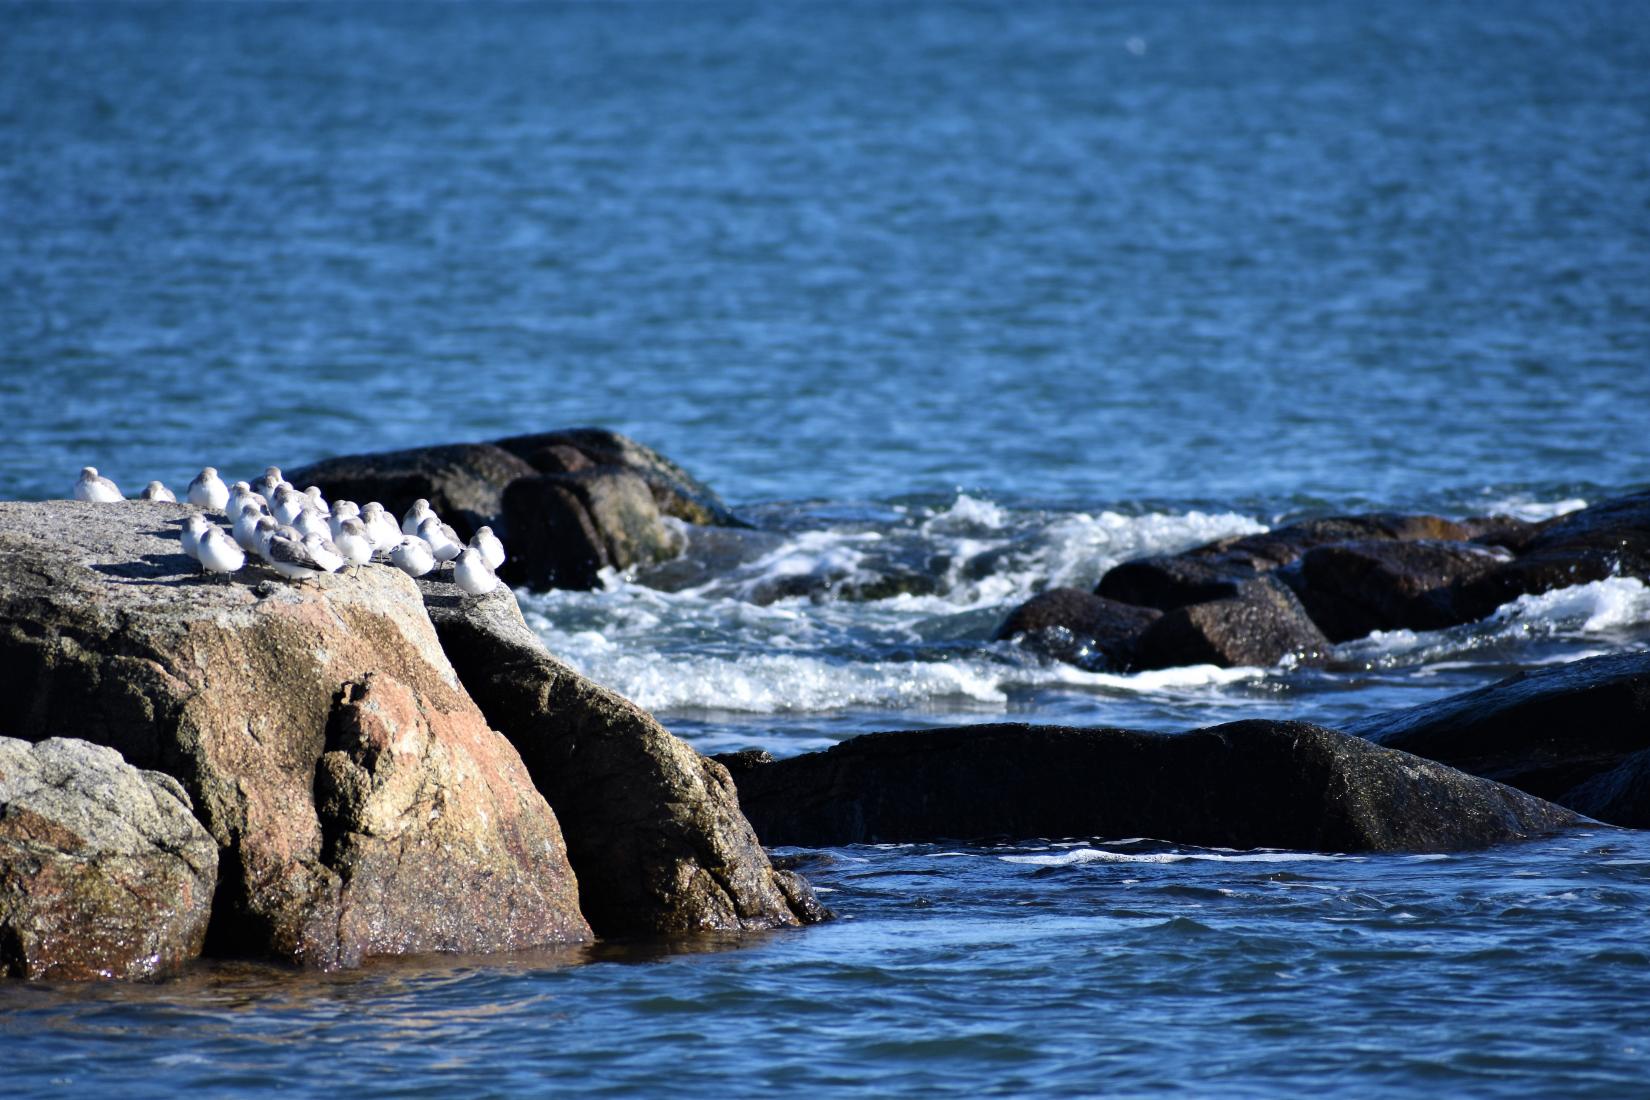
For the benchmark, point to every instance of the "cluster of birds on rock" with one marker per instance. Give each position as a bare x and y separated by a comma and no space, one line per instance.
300,535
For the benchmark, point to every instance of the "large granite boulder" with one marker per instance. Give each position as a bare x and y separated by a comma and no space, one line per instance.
564,529
464,482
1079,628
1251,784
1608,539
653,829
1222,569
361,804
1259,626
1546,731
572,450
1351,589
104,871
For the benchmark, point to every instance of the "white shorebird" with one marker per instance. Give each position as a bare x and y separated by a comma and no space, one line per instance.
412,556
218,552
262,534
271,480
418,513
155,490
342,510
317,501
380,526
443,540
353,542
96,488
472,575
291,556
491,549
194,526
324,551
311,522
286,505
208,490
241,493
246,525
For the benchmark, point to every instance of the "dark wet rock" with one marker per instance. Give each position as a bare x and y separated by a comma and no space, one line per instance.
653,829
464,482
1352,588
1079,628
1608,539
1507,532
676,492
104,871
360,803
1220,570
1245,785
565,529
1545,731
1259,626
1620,796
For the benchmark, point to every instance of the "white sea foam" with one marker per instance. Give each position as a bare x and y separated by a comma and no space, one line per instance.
1101,855
1526,508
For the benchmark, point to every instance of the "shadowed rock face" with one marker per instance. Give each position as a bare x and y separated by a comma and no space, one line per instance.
1259,626
464,482
104,871
1353,588
1079,627
361,804
676,492
1545,731
564,529
1243,785
653,829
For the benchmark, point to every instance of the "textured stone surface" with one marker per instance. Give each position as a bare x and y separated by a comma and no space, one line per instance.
1259,626
1352,588
654,829
676,492
566,528
464,482
104,871
1079,627
1244,785
1220,570
1620,796
256,694
1544,731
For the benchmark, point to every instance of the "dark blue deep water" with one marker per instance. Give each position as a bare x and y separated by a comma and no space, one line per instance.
1019,289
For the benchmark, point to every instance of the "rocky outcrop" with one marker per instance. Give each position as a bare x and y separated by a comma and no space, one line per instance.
1607,539
1220,570
573,450
1259,626
653,829
1245,785
1620,796
464,482
104,871
360,802
1079,628
1351,589
1546,731
564,529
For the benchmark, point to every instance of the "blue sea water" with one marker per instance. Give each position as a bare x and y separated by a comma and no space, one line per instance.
996,293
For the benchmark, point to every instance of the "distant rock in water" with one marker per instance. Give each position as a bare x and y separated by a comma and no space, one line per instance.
1555,732
653,829
677,492
1251,784
1259,625
360,802
1079,628
464,482
1351,589
104,871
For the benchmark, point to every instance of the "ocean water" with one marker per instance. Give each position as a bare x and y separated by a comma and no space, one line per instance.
953,302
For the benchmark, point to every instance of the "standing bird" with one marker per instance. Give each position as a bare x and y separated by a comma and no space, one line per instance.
412,556
208,490
156,491
317,501
443,540
262,534
353,542
491,549
272,480
342,510
286,504
324,551
418,513
94,488
310,522
194,527
218,552
246,525
241,493
380,526
472,575
291,556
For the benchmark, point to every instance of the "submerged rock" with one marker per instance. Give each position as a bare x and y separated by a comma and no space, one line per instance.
1079,628
359,800
1546,731
654,830
1251,784
1353,588
1259,626
1220,570
104,871
464,482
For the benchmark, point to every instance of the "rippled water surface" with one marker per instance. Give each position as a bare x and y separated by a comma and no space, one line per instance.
952,302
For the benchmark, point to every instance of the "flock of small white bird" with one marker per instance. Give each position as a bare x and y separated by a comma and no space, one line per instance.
301,536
